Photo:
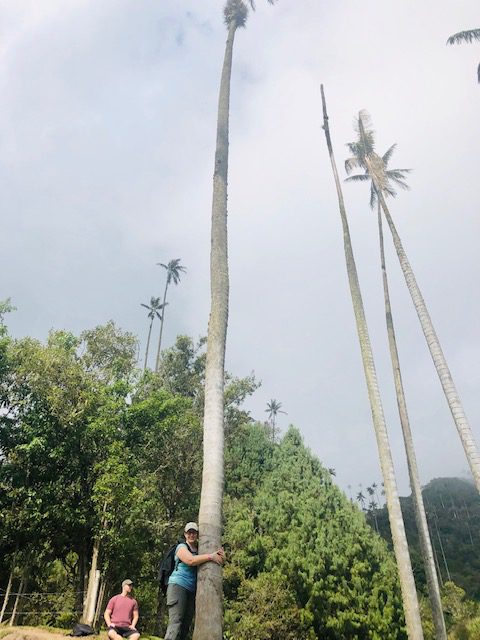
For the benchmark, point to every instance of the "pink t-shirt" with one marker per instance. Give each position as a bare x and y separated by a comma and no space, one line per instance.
122,608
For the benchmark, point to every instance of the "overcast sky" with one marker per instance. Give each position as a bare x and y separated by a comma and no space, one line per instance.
107,132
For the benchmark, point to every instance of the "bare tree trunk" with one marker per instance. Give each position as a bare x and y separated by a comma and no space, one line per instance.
399,539
7,591
418,506
21,590
209,606
92,589
451,394
101,596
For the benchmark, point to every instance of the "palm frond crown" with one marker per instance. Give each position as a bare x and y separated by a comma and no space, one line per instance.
464,36
236,12
173,269
363,148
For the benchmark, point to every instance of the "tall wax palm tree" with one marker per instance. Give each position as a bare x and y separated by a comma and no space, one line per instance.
154,309
208,621
466,36
399,539
273,409
373,164
366,142
173,269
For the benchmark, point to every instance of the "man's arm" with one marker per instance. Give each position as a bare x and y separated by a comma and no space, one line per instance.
135,618
106,616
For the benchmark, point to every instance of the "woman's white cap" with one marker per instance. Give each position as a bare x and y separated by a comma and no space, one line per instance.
191,525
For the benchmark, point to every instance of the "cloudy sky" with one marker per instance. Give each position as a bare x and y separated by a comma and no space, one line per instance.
107,131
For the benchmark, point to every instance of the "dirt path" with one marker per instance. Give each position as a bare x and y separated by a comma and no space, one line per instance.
33,633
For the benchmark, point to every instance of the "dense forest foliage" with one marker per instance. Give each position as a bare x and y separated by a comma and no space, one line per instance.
93,449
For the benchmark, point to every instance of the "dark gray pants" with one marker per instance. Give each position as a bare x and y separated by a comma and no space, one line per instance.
181,609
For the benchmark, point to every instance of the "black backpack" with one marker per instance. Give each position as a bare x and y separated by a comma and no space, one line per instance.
168,565
80,630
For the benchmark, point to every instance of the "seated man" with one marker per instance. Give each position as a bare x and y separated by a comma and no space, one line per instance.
121,614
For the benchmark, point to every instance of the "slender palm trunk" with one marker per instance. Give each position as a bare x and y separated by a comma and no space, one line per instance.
444,558
407,582
437,564
453,399
148,343
208,621
157,362
419,508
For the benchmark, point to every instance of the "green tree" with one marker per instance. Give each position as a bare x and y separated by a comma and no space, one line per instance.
208,622
360,148
174,270
337,579
154,309
466,36
407,582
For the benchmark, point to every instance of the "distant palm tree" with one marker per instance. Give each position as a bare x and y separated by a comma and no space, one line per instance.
365,144
375,487
273,409
209,616
466,36
154,309
399,539
173,269
372,507
361,499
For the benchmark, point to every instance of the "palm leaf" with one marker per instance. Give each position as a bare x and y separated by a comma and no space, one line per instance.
353,163
464,36
359,177
388,191
388,154
400,183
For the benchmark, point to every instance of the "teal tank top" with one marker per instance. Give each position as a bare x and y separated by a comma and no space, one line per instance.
183,575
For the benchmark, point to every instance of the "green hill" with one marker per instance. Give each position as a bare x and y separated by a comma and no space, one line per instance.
453,513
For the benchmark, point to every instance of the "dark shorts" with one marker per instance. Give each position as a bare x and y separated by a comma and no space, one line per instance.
125,632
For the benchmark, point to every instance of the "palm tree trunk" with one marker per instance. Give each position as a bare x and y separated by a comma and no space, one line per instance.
157,361
419,508
437,564
444,558
148,343
208,620
399,539
453,399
